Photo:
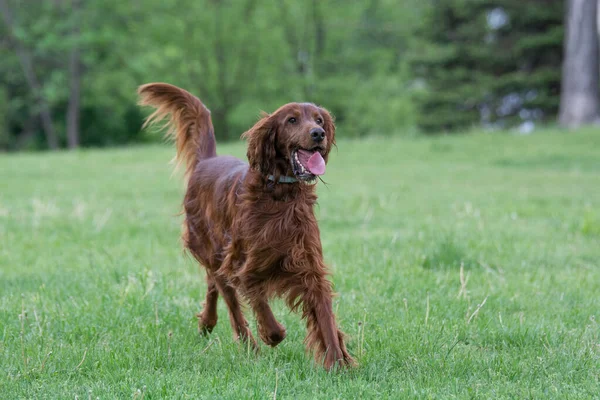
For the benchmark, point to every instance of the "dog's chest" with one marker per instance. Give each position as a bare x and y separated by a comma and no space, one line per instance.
273,237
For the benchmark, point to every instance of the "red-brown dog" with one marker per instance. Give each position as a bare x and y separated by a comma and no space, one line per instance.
252,226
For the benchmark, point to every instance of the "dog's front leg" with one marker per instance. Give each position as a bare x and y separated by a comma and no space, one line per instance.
254,289
269,329
323,338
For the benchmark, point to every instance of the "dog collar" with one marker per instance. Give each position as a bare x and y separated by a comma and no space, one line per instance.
283,179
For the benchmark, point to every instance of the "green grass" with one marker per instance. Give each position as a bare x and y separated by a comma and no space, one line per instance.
97,298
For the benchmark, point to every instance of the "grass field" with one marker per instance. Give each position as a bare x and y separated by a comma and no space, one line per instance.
466,267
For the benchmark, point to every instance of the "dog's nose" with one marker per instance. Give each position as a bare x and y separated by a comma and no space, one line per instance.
317,134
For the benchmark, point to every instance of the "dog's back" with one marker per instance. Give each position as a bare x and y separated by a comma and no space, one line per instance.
208,209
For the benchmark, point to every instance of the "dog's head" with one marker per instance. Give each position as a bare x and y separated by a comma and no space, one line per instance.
295,139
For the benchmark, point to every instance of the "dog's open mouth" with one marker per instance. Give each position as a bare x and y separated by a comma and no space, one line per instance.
307,164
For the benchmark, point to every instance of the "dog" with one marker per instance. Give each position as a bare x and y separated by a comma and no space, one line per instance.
252,225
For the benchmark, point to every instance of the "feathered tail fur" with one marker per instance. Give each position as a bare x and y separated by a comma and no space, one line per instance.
187,119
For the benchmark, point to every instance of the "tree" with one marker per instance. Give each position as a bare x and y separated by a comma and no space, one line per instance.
490,62
72,65
580,97
26,60
351,59
74,72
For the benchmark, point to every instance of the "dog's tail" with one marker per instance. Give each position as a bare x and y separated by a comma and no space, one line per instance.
188,121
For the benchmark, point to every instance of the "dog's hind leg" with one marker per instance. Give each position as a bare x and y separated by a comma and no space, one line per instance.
207,319
240,327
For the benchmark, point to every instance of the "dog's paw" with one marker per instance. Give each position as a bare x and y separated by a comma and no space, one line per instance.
205,325
274,336
338,359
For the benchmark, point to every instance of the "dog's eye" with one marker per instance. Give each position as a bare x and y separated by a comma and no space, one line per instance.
292,120
320,121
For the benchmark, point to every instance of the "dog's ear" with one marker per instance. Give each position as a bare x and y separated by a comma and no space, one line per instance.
329,126
261,144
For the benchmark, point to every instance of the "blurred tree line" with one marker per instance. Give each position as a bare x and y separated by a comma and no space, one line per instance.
69,68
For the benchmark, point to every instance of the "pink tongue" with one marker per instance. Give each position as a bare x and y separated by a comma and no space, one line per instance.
316,164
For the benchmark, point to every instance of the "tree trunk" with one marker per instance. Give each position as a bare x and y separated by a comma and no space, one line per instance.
25,59
26,135
74,84
580,98
222,112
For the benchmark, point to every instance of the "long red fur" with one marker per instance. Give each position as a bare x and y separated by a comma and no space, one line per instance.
256,238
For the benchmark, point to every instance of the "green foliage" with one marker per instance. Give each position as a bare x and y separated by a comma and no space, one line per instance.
495,62
4,104
239,57
97,299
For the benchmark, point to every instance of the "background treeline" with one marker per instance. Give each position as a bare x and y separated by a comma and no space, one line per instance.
69,68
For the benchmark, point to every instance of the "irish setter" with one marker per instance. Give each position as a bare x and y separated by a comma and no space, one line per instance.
252,226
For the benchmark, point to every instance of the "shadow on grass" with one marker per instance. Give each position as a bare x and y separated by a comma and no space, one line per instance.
446,252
